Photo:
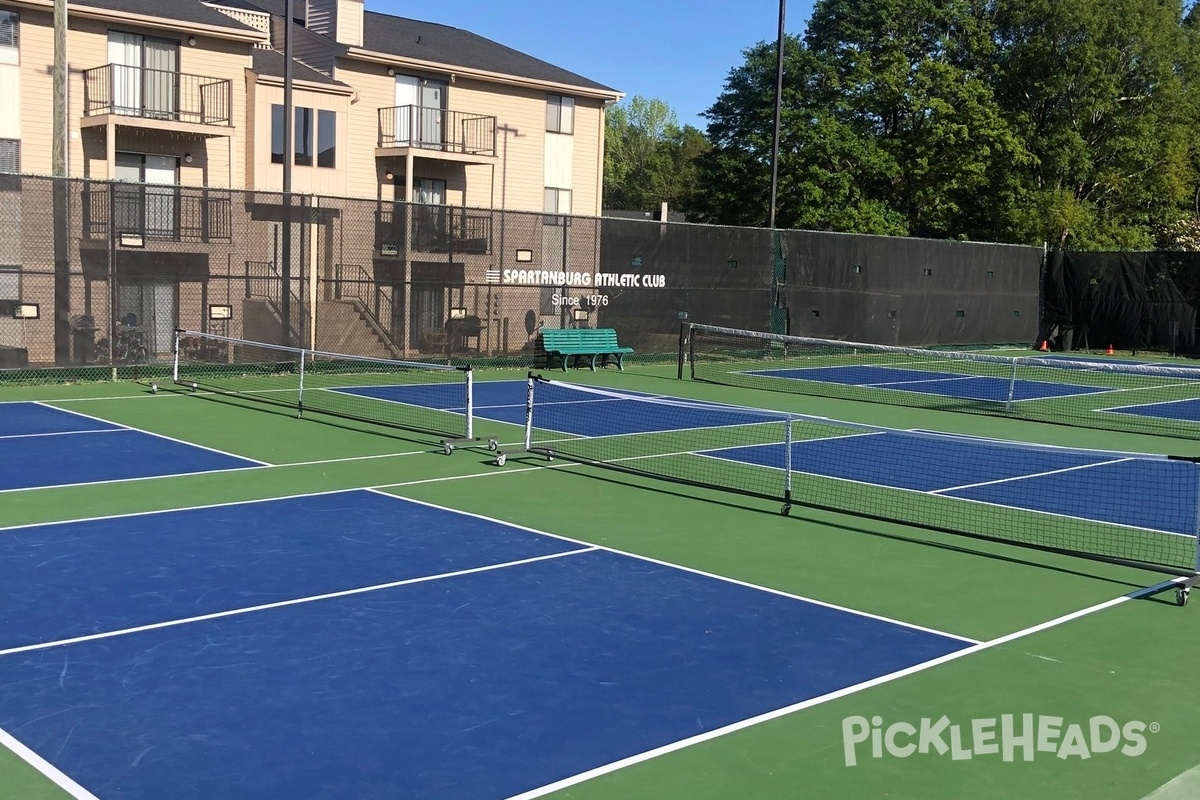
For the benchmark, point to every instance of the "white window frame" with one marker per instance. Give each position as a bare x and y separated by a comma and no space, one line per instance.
10,52
560,114
14,166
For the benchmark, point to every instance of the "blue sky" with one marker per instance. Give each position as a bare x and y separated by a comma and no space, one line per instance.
674,51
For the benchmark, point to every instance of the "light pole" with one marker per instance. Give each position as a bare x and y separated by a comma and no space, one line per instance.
778,106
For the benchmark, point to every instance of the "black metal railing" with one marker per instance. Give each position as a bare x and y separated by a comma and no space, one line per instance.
157,94
437,129
352,282
265,282
161,213
435,229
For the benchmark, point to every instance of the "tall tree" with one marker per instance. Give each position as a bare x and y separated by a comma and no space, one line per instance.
888,125
1097,90
648,158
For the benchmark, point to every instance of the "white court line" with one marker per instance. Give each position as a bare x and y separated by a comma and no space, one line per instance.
825,698
673,565
51,772
152,433
944,379
233,612
59,433
1031,475
927,492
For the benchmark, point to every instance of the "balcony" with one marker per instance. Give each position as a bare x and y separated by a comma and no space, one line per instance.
149,97
150,213
437,132
435,229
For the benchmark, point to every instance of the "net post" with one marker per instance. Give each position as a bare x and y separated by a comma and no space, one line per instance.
175,356
683,340
1012,387
529,414
692,348
300,396
470,434
1196,525
787,459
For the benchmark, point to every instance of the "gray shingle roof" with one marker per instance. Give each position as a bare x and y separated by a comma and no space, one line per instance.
270,62
442,44
181,10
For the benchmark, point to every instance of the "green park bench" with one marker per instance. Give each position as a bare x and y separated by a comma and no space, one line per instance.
563,344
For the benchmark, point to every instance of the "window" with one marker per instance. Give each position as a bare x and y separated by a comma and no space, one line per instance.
10,163
10,155
304,137
276,134
317,127
10,36
326,138
557,201
560,114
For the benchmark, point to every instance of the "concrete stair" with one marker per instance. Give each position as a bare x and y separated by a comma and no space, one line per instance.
344,326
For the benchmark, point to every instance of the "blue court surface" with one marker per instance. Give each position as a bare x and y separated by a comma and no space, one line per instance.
45,446
946,384
1181,410
355,645
1157,494
576,413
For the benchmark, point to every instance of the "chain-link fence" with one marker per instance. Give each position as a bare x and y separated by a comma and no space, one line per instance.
95,276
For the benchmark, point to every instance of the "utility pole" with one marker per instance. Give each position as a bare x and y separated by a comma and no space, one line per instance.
289,154
778,106
58,169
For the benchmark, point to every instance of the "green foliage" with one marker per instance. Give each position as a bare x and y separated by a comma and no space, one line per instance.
648,158
1027,121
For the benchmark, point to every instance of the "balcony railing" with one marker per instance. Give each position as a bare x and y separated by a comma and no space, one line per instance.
435,229
157,213
156,94
437,129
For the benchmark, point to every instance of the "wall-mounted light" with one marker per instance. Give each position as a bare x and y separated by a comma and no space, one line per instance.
26,311
191,41
452,76
391,71
458,312
219,312
389,175
187,158
524,256
579,314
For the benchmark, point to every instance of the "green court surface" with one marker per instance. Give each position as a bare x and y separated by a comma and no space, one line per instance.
1059,636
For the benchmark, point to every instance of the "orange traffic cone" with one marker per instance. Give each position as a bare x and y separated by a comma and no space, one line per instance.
1045,346
1109,351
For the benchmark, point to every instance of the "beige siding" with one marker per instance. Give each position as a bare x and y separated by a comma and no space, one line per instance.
588,158
88,47
520,141
37,87
318,180
376,89
350,22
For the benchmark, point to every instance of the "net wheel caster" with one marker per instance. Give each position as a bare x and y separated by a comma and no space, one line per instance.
493,445
787,509
500,459
154,388
447,448
1181,595
194,386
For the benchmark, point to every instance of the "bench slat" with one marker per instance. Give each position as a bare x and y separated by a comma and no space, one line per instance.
563,343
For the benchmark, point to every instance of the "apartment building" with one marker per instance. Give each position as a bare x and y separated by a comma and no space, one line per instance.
182,104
